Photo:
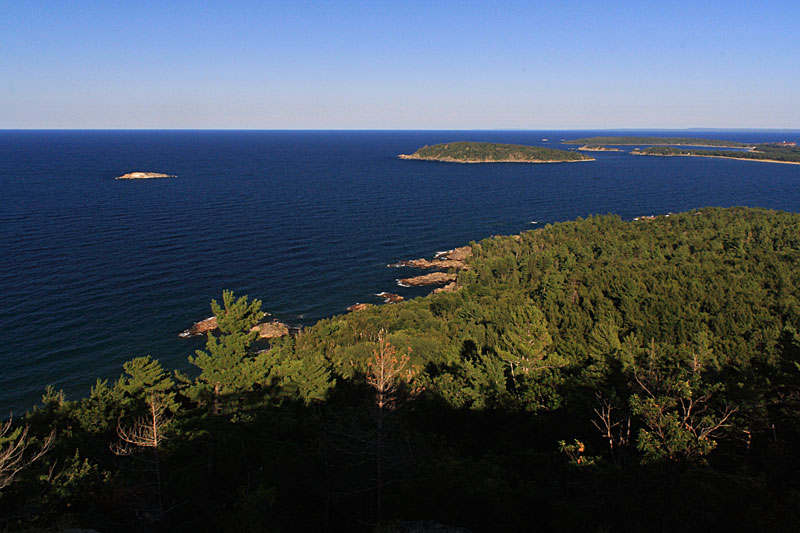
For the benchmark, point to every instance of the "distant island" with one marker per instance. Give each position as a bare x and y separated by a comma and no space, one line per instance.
652,141
597,148
767,153
143,176
480,152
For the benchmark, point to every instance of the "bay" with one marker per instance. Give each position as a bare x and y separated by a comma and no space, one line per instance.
95,271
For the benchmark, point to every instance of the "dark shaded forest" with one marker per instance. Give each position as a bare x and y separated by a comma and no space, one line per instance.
593,375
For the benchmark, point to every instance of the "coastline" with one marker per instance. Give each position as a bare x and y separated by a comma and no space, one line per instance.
720,157
449,160
748,146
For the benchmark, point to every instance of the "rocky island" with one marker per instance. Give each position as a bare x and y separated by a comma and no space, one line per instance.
481,152
143,176
597,148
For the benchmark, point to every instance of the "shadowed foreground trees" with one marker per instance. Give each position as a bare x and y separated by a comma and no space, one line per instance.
594,375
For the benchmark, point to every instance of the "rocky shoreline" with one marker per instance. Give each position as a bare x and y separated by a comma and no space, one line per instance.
452,260
434,278
639,152
266,330
470,161
590,148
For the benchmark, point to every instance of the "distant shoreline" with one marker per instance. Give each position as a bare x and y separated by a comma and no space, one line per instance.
720,157
451,160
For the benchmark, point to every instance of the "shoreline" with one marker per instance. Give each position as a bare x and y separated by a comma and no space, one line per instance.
448,160
720,157
745,147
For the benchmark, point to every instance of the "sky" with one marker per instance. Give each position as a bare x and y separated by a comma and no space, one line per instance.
399,65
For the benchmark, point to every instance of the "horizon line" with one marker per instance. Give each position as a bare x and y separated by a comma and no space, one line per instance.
793,130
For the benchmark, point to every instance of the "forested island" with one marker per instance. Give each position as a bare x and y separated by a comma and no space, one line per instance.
654,141
597,148
769,153
592,375
481,152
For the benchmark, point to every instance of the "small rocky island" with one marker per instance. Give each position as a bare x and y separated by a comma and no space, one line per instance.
597,148
143,176
480,152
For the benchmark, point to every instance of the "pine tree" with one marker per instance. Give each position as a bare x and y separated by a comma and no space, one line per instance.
223,362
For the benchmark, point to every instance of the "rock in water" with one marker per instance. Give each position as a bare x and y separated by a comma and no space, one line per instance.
204,326
390,298
143,176
266,330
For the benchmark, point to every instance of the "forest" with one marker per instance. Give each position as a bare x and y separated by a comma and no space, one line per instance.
481,152
666,141
762,152
592,375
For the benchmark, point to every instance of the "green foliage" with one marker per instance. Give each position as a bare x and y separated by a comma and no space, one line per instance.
475,152
762,152
227,365
672,141
668,349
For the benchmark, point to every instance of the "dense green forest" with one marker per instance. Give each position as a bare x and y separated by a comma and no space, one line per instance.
478,152
762,152
593,375
671,141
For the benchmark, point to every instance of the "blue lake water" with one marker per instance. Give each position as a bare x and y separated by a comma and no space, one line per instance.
95,271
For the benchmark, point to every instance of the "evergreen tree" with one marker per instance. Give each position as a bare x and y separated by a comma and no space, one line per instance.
223,364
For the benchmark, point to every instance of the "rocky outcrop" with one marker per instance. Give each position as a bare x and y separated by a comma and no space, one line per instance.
143,176
450,287
359,307
455,258
271,330
390,298
199,328
266,330
434,278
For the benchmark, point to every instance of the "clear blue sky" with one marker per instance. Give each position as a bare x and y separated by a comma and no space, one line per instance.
399,65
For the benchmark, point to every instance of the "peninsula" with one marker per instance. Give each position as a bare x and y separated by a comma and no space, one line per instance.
481,152
143,176
766,153
657,141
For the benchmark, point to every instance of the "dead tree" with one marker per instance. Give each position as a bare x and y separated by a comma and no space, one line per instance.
146,432
12,454
386,373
